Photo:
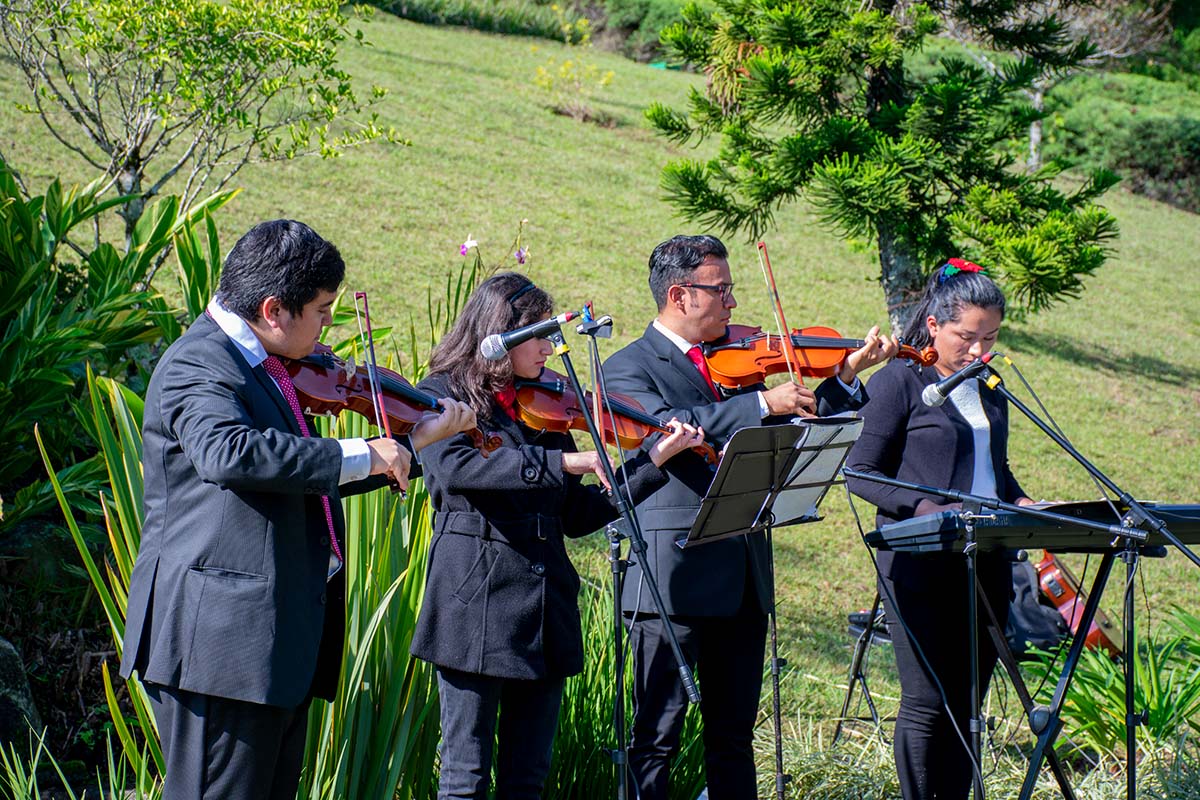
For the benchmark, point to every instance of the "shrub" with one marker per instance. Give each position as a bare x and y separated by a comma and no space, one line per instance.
1146,130
515,17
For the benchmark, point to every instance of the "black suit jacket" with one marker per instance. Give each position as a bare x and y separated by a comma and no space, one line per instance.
708,580
904,438
228,595
502,595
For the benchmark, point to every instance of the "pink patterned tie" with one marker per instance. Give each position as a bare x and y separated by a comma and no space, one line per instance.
276,370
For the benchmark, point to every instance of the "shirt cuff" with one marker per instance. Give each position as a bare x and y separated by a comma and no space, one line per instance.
763,410
851,388
356,460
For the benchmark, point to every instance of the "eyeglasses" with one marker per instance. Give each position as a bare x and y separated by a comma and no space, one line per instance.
723,289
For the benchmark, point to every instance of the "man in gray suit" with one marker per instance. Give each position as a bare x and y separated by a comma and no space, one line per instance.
235,618
717,595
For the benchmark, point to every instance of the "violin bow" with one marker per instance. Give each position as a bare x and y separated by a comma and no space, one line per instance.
764,263
368,341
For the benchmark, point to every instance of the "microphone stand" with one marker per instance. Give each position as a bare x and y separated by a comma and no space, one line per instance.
1135,517
620,753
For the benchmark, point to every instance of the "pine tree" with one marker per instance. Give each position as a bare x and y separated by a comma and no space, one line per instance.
812,99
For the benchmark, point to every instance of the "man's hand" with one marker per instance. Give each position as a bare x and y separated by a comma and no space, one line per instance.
588,461
791,399
389,457
456,417
878,348
682,437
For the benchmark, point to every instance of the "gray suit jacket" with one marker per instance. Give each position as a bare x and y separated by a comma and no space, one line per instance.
709,580
228,595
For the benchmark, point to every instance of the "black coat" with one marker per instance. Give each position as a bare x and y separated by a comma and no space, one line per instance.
502,595
710,579
905,439
228,596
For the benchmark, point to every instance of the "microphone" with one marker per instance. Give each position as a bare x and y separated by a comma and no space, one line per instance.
497,345
936,393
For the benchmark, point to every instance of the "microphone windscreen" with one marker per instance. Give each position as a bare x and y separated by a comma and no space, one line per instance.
932,397
492,347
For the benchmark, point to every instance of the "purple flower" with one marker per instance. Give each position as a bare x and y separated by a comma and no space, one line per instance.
521,254
467,245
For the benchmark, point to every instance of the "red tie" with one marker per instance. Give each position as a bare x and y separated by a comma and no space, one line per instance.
276,370
697,358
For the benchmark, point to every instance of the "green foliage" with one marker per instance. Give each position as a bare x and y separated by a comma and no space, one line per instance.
572,81
642,23
582,767
67,304
19,777
1145,130
198,85
813,100
515,17
1166,686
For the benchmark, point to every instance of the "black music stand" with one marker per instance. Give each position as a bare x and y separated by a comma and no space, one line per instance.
1045,722
858,677
770,477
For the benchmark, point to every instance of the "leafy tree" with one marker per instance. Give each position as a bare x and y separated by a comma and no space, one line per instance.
812,99
144,90
1116,29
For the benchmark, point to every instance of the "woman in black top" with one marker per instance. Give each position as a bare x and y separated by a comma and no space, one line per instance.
961,445
500,617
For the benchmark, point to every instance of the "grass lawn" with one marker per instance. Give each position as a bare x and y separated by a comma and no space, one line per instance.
1119,369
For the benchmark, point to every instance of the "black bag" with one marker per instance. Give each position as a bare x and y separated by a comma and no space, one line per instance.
1030,620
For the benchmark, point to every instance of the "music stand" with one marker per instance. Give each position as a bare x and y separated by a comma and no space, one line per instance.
769,477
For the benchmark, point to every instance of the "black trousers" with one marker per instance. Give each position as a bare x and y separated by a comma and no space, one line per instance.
221,749
727,653
932,762
476,709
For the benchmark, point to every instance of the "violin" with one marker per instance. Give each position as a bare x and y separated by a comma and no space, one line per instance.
550,404
1062,589
746,356
327,384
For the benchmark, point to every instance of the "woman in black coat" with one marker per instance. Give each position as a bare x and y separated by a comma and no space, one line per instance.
961,445
500,617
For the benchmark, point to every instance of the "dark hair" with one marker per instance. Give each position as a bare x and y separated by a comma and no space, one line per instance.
504,301
948,291
674,261
281,258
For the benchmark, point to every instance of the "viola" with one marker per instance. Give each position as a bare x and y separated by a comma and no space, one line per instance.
327,384
1062,589
550,404
746,355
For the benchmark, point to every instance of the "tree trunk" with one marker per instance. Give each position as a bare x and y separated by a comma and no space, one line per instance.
129,182
1035,129
902,278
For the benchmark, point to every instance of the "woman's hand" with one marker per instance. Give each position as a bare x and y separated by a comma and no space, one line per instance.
878,347
587,462
682,437
456,417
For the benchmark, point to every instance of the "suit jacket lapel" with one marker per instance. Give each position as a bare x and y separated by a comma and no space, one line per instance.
666,351
209,327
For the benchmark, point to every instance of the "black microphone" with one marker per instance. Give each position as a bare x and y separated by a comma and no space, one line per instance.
497,345
936,393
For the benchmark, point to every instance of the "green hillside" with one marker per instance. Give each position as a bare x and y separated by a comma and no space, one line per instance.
1119,369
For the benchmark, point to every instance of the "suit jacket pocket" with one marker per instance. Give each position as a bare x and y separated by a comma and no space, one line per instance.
227,574
477,576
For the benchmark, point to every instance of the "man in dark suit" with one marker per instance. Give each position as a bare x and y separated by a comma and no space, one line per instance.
717,595
235,615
